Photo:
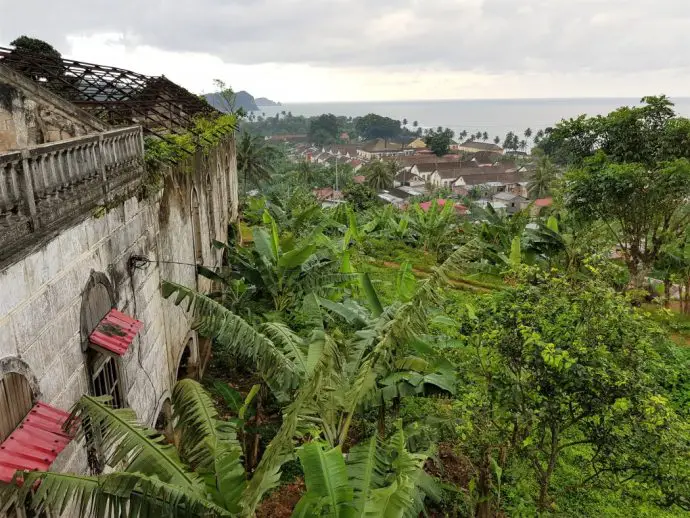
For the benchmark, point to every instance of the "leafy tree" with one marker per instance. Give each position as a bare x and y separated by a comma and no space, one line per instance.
439,141
324,130
36,46
646,134
362,197
643,207
374,126
254,160
542,177
379,174
200,475
568,365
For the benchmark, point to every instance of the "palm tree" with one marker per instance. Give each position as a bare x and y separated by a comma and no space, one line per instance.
415,123
497,140
404,122
379,175
523,145
542,178
528,133
200,475
485,136
254,159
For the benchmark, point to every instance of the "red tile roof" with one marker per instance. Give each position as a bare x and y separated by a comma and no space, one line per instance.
459,207
360,179
36,442
543,202
115,333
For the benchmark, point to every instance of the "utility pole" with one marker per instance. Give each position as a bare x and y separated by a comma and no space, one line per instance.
336,173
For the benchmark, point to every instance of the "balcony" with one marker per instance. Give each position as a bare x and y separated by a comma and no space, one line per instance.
46,187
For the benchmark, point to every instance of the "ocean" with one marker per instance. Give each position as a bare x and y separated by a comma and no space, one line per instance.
496,117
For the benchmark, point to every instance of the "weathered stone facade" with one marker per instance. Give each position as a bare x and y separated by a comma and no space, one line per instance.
47,282
31,115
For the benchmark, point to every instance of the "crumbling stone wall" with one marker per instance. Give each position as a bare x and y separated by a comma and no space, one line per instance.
43,289
31,115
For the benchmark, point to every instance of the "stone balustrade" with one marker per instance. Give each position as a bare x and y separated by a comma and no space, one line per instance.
44,186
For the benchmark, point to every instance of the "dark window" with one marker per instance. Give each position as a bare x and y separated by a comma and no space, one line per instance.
196,225
185,368
105,378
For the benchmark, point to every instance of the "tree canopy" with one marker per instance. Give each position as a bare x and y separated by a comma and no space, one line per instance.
374,126
439,141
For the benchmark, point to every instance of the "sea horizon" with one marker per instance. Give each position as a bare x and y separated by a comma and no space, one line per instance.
495,116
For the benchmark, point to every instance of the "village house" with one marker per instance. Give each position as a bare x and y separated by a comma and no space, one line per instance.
513,202
417,143
87,242
473,146
407,177
381,148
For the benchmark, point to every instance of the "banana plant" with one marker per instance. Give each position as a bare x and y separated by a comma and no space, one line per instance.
200,475
373,479
435,226
280,269
325,380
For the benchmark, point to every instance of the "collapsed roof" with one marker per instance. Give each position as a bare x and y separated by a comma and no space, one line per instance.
114,95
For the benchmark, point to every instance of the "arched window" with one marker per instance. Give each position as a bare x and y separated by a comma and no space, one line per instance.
104,371
185,367
16,400
211,208
196,227
164,421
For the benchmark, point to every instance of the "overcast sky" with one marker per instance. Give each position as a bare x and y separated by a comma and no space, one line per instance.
330,50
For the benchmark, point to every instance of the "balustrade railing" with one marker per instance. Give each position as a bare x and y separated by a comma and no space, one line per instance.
43,184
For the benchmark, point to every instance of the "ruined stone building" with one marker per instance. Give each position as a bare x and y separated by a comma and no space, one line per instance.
83,251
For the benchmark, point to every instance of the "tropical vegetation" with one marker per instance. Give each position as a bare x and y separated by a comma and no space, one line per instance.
370,360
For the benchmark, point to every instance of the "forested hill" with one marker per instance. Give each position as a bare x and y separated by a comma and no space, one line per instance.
243,100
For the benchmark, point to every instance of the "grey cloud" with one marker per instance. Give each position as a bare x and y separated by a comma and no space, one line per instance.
495,36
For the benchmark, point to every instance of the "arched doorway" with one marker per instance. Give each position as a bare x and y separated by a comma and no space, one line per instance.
188,364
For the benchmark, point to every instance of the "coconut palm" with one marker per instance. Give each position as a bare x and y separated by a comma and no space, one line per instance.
254,159
542,178
201,474
485,136
379,175
404,122
415,123
523,145
463,134
528,133
497,140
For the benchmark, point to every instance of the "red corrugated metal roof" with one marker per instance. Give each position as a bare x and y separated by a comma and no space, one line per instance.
115,332
36,442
